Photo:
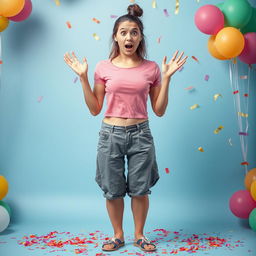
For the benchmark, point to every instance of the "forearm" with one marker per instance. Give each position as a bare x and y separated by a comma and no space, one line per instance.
90,99
162,99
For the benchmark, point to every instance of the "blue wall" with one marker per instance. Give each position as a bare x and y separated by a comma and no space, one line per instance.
48,148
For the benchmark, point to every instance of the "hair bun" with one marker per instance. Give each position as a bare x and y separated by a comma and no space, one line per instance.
135,10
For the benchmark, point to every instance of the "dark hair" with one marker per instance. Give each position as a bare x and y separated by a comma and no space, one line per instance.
134,12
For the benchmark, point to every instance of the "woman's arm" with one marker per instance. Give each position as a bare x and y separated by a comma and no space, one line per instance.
159,94
94,99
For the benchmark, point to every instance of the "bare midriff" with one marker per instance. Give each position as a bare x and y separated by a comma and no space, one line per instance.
122,121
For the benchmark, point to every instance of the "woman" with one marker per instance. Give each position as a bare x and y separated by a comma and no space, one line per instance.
127,78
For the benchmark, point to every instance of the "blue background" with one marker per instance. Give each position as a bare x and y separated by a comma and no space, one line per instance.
48,148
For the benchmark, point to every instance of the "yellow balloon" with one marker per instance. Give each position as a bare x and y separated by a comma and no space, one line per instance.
249,178
4,22
10,8
229,42
212,49
3,187
253,190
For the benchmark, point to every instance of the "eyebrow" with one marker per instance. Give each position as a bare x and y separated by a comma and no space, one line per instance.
126,29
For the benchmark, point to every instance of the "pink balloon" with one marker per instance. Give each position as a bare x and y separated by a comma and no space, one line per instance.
248,54
209,19
25,12
241,204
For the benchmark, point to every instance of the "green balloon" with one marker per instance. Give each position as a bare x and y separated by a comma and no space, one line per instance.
251,25
252,219
6,206
237,13
219,5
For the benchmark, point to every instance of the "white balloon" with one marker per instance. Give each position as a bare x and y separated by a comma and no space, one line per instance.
4,218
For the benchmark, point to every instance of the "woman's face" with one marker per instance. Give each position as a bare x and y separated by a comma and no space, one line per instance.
128,37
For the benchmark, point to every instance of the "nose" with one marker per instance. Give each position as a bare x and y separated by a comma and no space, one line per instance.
128,36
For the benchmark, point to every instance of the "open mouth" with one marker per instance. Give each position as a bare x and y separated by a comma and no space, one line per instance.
128,46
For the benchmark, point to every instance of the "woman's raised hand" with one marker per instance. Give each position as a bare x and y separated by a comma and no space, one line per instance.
80,68
168,69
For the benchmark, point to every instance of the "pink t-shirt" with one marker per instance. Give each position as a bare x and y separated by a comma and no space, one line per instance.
127,89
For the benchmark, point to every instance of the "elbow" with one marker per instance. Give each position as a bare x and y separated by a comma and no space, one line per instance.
94,113
159,114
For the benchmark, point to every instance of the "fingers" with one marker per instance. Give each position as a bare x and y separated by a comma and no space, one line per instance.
180,56
164,60
67,59
74,56
182,61
175,55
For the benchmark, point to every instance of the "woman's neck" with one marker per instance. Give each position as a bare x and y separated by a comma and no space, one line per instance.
127,60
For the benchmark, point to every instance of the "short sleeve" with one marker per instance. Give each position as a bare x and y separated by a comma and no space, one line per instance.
157,76
98,79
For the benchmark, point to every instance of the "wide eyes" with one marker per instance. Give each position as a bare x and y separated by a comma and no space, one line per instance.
133,33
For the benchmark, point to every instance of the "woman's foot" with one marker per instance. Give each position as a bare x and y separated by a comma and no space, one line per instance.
113,243
144,244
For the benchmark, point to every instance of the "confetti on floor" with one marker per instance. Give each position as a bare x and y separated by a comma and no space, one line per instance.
167,242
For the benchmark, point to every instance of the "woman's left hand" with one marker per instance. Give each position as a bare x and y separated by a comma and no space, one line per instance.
173,65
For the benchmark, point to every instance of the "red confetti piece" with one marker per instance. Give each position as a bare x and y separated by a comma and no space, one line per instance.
194,58
189,88
159,39
1,62
95,20
167,170
246,95
244,163
206,78
68,24
235,92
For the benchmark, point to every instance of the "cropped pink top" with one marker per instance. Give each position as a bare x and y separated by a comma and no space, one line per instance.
127,89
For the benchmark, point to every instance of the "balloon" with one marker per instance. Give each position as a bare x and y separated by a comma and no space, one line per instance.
4,218
241,204
251,25
249,178
229,42
11,7
3,187
6,206
25,12
253,190
212,49
4,22
209,19
237,12
220,6
252,219
248,54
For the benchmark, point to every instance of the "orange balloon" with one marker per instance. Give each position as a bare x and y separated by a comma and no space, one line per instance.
249,178
10,8
253,190
212,49
229,42
3,187
4,22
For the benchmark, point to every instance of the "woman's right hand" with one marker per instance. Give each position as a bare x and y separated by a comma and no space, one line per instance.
80,68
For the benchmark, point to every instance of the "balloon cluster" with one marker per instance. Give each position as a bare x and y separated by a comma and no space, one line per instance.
5,211
243,202
14,10
232,26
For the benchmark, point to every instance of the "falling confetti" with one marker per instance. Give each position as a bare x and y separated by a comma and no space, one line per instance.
190,88
216,96
177,7
113,16
243,77
234,61
244,163
68,24
167,170
95,20
159,39
243,133
1,62
235,92
229,141
206,78
39,99
75,80
96,37
246,95
132,1
57,2
194,58
216,131
242,114
166,13
194,106
201,149
154,4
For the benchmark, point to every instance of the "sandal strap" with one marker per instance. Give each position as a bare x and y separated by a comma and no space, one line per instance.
144,241
115,241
